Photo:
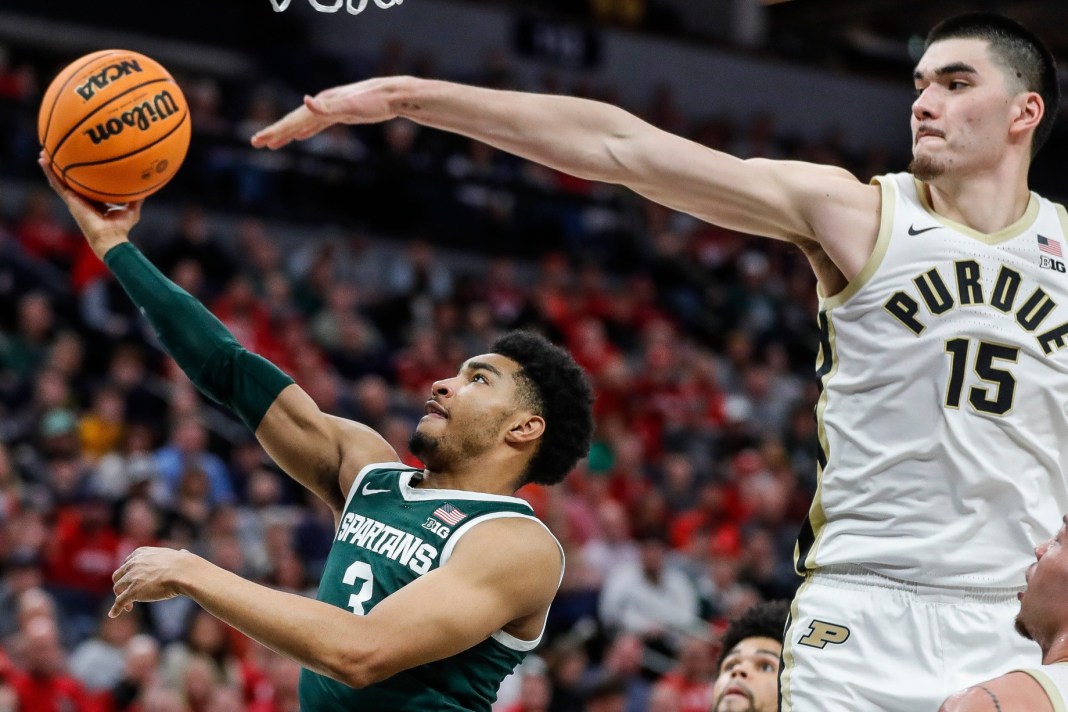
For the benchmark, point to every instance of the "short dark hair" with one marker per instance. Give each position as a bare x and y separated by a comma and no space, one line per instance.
1018,50
555,387
763,620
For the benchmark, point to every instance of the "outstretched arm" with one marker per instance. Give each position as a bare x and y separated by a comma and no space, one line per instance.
501,571
787,200
304,441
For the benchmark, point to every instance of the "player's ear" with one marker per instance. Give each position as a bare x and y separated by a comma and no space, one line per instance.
1027,113
528,429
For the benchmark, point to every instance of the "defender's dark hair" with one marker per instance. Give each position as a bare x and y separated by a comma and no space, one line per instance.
553,386
1018,50
763,620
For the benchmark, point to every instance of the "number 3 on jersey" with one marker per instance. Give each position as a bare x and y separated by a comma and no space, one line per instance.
1004,391
359,571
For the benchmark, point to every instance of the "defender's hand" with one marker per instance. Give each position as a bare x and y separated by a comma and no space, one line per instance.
102,230
149,574
366,102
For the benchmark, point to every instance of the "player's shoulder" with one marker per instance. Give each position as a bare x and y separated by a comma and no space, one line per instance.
1013,692
515,537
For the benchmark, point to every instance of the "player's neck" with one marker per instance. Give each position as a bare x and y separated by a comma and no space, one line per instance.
486,474
1057,650
988,202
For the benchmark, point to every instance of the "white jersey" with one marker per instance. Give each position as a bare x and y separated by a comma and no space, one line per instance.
1054,680
943,414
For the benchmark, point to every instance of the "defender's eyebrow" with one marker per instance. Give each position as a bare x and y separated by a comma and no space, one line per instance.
953,68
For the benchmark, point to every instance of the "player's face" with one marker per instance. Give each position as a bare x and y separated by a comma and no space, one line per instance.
749,677
963,108
1042,603
468,413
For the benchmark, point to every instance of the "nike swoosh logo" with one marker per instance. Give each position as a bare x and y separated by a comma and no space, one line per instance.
914,231
367,490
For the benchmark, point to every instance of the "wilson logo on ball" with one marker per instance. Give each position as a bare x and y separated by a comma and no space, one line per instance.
140,117
106,76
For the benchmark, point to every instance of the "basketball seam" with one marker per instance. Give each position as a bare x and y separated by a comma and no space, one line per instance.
105,105
117,158
59,93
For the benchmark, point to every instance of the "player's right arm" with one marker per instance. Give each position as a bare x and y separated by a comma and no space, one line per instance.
788,200
1013,692
305,442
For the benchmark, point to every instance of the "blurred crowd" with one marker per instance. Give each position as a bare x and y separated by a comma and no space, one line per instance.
701,344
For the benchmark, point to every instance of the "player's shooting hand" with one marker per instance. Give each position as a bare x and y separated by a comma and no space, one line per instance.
366,102
104,229
149,574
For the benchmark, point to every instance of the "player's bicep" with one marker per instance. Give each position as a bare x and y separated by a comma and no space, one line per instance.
778,199
502,571
311,445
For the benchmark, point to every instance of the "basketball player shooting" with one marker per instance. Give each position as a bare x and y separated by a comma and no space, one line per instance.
943,316
439,580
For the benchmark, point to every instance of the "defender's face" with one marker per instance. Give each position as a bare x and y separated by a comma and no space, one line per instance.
467,414
1042,604
961,116
749,677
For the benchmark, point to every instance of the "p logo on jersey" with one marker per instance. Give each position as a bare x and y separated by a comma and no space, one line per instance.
820,633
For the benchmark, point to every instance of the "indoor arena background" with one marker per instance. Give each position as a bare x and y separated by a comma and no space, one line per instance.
370,261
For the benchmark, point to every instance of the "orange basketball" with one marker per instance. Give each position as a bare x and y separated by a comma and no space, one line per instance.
114,125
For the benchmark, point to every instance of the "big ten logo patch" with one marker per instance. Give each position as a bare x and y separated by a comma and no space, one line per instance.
822,633
1049,263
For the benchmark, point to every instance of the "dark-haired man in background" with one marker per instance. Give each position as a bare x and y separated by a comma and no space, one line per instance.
943,369
439,580
749,663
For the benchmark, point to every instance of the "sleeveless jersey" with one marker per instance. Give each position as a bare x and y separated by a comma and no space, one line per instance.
1054,680
390,534
942,416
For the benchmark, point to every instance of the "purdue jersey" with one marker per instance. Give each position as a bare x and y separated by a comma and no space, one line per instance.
390,534
1054,680
944,384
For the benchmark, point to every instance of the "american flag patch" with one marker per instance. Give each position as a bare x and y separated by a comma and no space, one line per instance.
449,514
1049,246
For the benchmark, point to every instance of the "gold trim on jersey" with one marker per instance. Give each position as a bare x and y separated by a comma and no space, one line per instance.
786,702
993,238
1063,215
882,241
1052,691
817,517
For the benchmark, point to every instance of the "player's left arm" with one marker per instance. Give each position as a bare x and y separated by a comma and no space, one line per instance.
1012,692
502,571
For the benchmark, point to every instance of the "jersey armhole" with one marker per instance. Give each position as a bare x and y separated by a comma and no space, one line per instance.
506,639
1052,690
888,188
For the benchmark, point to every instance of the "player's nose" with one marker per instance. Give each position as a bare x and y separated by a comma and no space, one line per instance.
441,388
924,107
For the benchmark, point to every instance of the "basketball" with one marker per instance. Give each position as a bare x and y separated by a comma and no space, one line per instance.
114,125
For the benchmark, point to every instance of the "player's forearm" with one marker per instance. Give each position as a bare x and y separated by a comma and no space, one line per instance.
317,635
208,353
577,136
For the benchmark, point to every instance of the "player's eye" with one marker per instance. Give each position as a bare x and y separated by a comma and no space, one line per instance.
768,667
957,84
479,376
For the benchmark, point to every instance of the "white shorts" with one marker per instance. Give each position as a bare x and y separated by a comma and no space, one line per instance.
859,641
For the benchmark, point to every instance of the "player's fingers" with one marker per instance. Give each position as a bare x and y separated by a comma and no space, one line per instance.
78,205
282,131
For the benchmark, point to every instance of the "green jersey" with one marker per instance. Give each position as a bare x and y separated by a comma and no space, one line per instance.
390,534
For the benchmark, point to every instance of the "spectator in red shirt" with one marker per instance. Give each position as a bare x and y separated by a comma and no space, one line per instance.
44,686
